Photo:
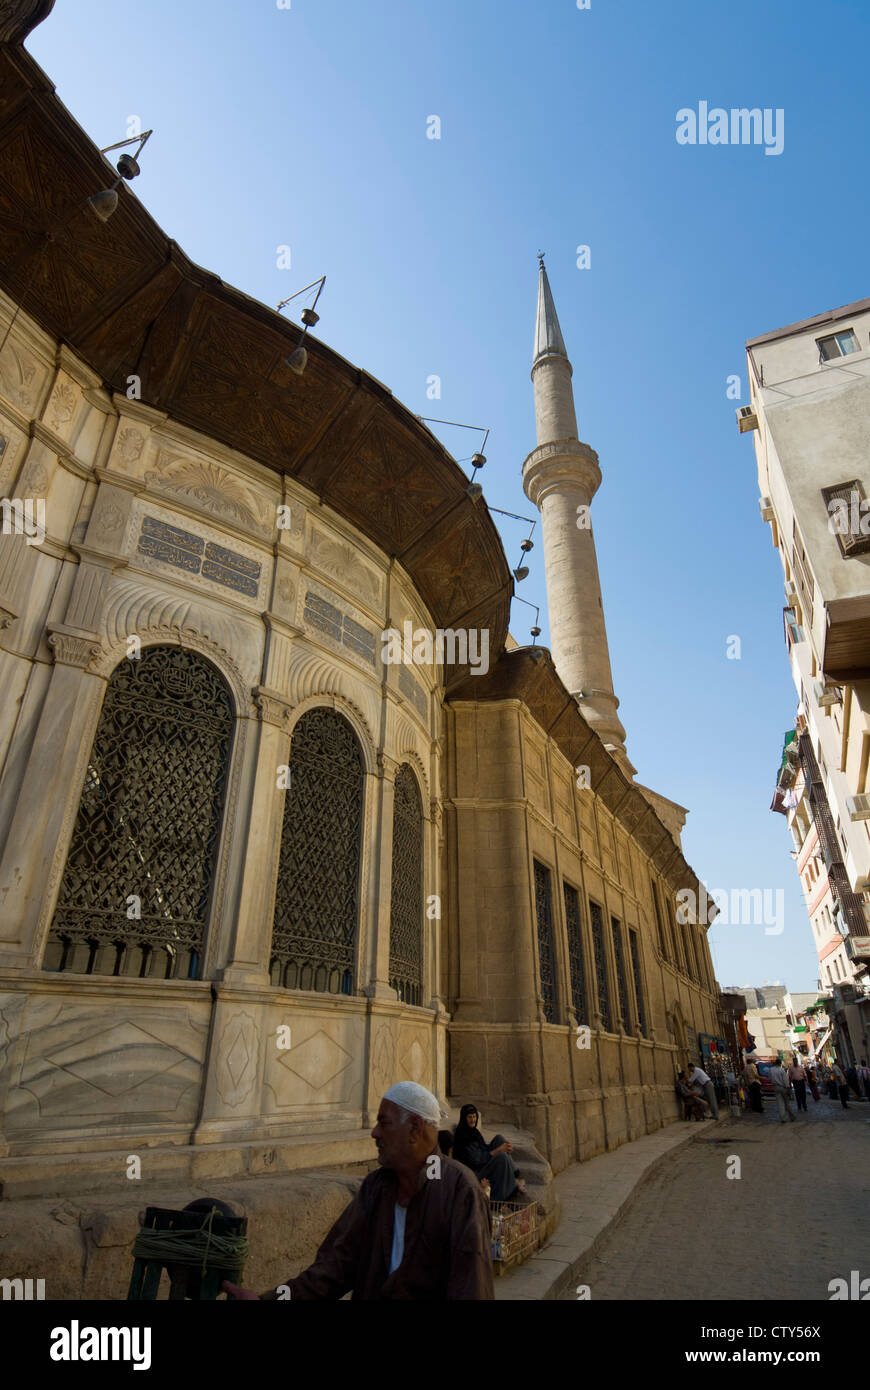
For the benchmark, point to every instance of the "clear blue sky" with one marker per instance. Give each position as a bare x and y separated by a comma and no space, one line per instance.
307,127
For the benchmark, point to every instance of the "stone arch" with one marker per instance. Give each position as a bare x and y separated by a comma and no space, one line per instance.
135,610
318,900
138,880
351,712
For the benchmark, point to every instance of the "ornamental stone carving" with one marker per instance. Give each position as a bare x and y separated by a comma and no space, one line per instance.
211,489
237,1059
109,521
273,709
74,649
61,407
340,559
36,480
129,445
286,590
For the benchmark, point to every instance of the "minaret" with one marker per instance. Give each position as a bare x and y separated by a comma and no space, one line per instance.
561,476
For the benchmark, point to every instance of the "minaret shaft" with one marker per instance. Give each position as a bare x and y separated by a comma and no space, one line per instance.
561,476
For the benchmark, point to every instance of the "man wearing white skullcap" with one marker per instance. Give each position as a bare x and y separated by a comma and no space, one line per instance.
419,1228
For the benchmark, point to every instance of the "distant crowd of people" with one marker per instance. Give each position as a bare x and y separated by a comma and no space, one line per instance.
790,1081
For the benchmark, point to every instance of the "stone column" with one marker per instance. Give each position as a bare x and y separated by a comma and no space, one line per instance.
432,887
42,825
376,973
248,961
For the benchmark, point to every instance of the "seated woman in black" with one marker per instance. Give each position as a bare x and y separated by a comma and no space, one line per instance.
491,1161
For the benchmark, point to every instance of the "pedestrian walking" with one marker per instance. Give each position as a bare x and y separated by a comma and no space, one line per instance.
812,1082
782,1090
864,1073
698,1078
852,1080
838,1080
752,1082
798,1078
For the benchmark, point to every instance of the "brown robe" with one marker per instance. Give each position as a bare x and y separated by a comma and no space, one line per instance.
447,1242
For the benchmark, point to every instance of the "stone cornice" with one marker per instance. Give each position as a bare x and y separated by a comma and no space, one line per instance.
65,455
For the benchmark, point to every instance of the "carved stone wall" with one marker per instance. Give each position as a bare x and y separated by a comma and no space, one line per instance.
158,535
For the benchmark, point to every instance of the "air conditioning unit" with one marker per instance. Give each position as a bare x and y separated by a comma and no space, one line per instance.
746,418
858,807
792,597
767,513
827,694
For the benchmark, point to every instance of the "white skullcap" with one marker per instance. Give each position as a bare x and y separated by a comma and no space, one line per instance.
416,1099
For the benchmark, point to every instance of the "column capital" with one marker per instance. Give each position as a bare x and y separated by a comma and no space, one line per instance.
387,766
73,646
273,708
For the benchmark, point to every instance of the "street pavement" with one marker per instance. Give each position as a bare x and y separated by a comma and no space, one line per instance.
797,1217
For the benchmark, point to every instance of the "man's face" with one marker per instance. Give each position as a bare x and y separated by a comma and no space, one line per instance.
471,1117
394,1139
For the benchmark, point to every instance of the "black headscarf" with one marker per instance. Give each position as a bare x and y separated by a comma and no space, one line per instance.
469,1145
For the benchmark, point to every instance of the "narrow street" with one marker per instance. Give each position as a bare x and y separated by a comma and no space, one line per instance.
797,1217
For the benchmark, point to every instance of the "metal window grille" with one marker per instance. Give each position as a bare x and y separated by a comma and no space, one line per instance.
544,913
600,957
406,897
677,937
317,903
621,981
658,912
136,888
576,964
691,958
634,947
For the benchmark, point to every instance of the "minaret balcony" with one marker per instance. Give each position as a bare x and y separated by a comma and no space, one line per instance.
560,464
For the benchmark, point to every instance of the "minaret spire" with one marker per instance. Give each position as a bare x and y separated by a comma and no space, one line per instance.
561,476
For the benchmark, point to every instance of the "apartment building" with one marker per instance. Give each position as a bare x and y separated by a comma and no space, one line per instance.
809,413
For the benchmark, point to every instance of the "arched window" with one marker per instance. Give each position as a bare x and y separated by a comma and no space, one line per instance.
317,904
406,898
136,889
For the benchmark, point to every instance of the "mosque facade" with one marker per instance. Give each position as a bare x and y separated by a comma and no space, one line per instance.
251,873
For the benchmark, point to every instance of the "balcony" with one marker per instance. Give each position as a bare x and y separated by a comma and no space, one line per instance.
846,657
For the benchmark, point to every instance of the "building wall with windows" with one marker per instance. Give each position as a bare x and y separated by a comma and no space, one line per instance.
561,913
810,418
